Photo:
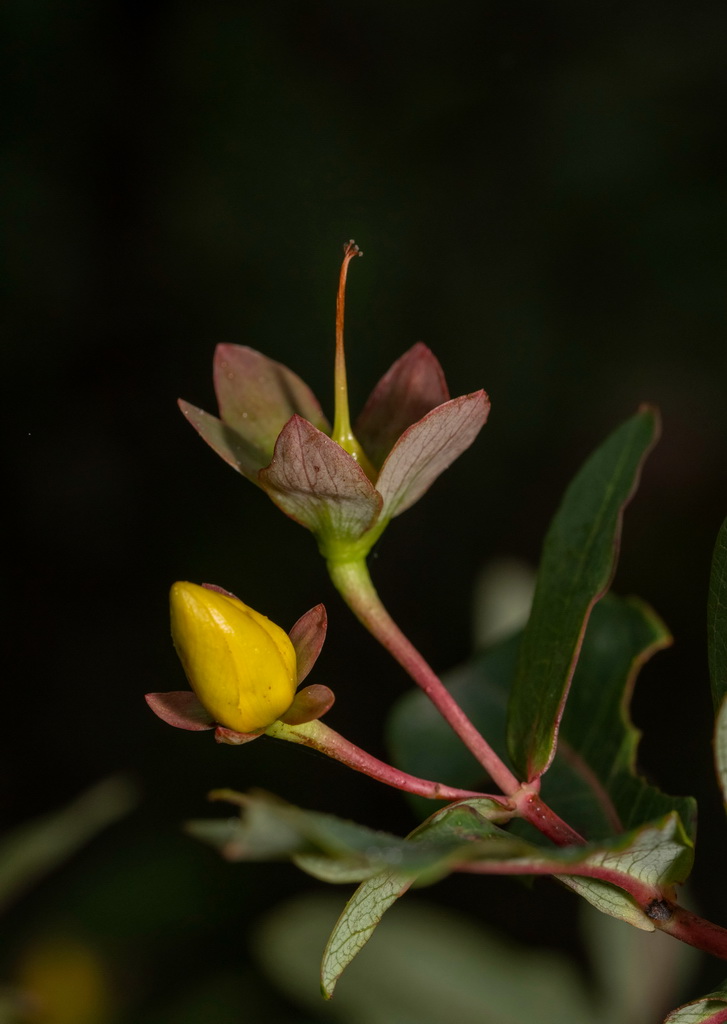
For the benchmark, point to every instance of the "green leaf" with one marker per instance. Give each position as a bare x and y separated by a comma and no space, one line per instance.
610,900
636,866
643,863
717,620
427,965
630,870
578,563
372,899
598,742
653,857
711,1009
659,854
656,855
717,647
335,850
357,923
593,782
720,749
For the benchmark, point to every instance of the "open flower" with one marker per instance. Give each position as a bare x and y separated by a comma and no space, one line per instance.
343,484
243,669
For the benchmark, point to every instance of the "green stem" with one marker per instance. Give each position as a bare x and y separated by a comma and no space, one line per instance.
353,582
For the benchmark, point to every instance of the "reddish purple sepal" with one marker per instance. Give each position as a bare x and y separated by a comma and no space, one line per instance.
181,709
235,739
229,445
314,481
307,637
272,431
427,447
256,398
310,704
413,386
220,590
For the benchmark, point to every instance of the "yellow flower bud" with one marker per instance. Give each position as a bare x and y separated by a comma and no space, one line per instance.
241,666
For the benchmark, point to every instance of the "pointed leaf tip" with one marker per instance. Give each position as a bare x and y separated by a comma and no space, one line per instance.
577,566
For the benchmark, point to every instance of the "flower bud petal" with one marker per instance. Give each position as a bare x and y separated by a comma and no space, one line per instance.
241,666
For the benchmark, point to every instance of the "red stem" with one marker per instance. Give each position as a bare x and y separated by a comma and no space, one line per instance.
532,809
641,893
320,737
666,915
354,584
690,928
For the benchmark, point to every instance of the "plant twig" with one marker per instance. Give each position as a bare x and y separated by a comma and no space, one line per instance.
353,582
320,737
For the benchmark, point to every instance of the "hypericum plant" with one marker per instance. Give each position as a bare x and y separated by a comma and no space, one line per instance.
566,741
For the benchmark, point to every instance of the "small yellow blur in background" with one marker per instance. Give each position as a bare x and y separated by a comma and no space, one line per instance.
64,981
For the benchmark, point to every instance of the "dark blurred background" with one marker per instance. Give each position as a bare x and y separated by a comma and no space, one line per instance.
539,192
